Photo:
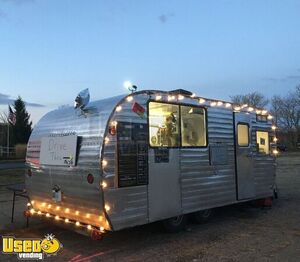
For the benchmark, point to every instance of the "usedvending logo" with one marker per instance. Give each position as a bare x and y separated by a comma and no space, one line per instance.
29,249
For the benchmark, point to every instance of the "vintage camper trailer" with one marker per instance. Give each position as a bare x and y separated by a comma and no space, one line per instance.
147,156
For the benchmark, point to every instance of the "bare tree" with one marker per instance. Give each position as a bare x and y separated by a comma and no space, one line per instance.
286,112
254,99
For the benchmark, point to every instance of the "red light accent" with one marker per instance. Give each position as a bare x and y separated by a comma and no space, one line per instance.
90,179
112,130
26,213
96,235
29,172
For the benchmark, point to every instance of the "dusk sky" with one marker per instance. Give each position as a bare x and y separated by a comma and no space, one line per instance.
52,49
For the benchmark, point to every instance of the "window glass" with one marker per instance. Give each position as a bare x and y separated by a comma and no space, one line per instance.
262,141
243,135
164,125
193,128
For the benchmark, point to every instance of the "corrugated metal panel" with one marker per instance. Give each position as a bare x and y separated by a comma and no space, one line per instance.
205,186
78,194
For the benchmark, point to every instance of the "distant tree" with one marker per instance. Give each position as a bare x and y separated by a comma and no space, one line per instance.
21,129
286,112
254,99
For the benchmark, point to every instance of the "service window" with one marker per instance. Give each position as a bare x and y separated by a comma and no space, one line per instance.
243,134
164,125
262,141
193,126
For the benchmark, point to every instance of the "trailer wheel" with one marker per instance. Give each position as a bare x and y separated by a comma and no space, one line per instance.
202,216
175,224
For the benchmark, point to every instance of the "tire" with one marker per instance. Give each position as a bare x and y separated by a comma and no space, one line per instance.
202,216
175,224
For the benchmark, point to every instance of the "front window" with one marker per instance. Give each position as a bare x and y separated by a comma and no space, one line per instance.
243,134
164,125
262,141
193,129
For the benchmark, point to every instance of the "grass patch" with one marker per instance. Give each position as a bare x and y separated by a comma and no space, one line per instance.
12,176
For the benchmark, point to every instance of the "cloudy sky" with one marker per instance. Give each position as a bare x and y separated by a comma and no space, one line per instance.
52,49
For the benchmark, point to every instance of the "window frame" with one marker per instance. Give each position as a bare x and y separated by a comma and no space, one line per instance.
269,140
179,113
237,134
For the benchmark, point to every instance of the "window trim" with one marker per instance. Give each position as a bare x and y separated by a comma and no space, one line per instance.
179,113
269,140
237,133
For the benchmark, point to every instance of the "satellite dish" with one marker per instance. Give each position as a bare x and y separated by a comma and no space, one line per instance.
82,99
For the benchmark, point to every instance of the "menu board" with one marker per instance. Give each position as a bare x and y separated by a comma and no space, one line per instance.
132,154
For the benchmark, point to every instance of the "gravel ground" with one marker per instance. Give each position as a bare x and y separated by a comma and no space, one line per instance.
235,233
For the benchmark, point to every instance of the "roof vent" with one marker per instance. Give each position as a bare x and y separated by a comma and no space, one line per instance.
181,92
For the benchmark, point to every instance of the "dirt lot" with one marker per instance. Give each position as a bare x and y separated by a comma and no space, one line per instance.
235,233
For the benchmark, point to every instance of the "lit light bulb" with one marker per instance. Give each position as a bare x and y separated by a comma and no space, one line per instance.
67,220
67,210
101,228
32,202
28,204
157,98
275,139
106,140
32,211
56,217
227,105
88,215
201,101
193,95
118,108
270,117
275,152
274,127
89,227
244,105
180,97
58,208
77,213
213,103
237,108
250,109
47,215
107,207
77,224
219,103
264,112
129,98
49,206
104,184
39,212
43,204
104,163
127,84
258,112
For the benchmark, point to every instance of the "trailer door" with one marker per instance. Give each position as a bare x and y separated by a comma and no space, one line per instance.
164,180
244,157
